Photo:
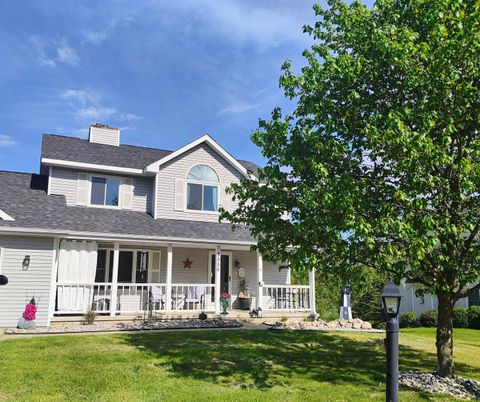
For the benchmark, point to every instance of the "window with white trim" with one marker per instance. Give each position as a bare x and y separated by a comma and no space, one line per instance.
105,191
202,189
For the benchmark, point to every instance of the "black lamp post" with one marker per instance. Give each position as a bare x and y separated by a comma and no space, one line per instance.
391,305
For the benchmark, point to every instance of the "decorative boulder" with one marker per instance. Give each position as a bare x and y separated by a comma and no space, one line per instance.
366,325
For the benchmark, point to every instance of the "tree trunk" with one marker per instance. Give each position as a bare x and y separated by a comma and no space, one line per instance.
444,341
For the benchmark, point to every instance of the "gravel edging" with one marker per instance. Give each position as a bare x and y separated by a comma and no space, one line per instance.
457,387
118,327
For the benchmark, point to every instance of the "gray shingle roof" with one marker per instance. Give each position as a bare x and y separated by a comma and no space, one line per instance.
129,156
23,197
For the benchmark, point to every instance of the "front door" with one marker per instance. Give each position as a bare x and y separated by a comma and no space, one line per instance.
225,277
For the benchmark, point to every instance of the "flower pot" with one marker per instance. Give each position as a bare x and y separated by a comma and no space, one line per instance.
245,303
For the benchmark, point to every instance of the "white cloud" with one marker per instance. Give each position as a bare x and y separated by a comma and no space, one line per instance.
238,106
6,141
39,46
51,52
95,37
246,22
130,117
67,54
95,113
80,95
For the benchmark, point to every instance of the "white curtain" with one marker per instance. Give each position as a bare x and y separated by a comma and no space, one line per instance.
77,265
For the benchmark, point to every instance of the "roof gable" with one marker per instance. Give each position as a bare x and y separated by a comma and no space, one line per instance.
206,139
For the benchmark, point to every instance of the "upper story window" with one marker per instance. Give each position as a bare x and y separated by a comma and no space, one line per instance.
105,191
202,188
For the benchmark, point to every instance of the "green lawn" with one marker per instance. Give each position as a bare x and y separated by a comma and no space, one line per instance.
212,365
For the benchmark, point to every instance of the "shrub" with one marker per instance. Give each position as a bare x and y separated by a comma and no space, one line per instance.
474,317
283,318
428,318
460,317
202,316
408,319
89,317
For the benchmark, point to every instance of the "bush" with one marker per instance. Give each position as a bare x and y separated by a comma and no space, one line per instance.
89,317
474,317
408,319
428,318
202,316
460,317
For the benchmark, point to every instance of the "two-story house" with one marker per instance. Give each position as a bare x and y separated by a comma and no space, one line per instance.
120,229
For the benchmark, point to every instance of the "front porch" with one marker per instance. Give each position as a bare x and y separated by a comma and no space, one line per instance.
169,281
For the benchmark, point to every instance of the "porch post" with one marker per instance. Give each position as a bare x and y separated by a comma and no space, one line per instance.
168,296
218,262
53,280
260,280
116,255
311,282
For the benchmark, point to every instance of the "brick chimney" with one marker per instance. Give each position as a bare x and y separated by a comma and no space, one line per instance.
103,134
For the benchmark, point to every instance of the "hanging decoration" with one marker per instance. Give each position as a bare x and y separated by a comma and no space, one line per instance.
187,264
27,321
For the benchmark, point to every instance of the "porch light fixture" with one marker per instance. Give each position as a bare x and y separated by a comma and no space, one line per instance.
237,264
26,263
3,280
391,305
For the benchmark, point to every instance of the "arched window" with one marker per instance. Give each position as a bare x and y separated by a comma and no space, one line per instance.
202,188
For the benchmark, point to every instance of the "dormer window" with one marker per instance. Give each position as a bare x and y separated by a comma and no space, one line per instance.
105,191
202,189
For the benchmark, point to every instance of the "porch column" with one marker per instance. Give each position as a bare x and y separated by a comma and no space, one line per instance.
311,282
218,262
260,280
53,280
113,302
168,296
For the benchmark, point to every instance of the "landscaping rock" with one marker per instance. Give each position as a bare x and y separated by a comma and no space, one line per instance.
430,382
321,325
366,326
134,326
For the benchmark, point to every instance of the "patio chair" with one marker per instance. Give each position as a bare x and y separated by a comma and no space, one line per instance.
194,297
156,297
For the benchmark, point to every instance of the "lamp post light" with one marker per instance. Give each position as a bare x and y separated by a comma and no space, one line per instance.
391,305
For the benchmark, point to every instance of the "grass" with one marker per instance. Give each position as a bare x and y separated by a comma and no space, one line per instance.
213,365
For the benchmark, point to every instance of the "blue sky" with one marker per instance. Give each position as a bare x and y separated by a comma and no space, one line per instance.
165,72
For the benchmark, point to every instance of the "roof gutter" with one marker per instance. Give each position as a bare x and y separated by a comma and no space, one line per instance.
116,236
92,166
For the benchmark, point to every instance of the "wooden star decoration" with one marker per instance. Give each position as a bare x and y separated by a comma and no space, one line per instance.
187,264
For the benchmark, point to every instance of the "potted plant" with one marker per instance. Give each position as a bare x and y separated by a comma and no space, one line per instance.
225,299
244,298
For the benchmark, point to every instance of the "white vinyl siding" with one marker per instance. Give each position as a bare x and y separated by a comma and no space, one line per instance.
171,183
105,135
23,285
64,182
127,193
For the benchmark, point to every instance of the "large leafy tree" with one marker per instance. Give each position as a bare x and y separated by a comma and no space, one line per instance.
379,164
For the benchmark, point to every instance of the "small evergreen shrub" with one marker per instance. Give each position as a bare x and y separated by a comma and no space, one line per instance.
460,317
428,318
408,319
283,318
474,317
89,317
202,316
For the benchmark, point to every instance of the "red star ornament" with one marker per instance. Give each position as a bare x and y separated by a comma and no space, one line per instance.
187,264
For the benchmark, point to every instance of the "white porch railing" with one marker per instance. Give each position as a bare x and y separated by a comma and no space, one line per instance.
78,298
193,297
286,297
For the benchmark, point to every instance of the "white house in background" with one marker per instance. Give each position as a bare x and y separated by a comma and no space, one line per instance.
118,228
410,302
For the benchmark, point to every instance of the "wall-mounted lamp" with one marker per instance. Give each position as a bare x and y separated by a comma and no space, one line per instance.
237,264
26,263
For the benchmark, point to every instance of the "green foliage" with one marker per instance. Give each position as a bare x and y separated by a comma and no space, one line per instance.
202,316
283,319
89,317
379,163
408,319
460,317
429,318
474,317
